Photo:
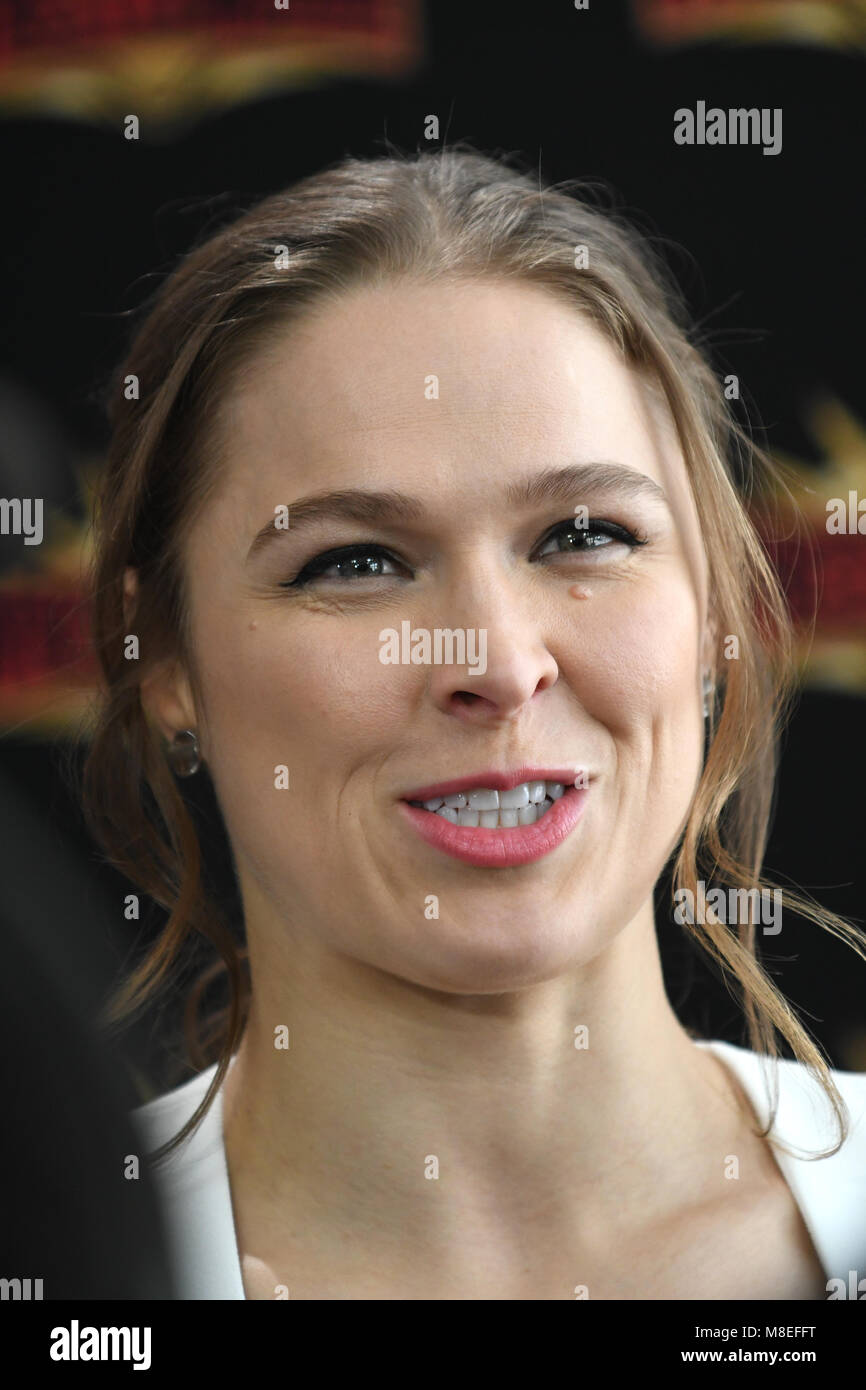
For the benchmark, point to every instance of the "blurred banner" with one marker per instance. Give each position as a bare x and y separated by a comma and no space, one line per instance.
811,21
169,60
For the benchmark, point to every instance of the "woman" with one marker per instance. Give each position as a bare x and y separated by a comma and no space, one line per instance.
420,507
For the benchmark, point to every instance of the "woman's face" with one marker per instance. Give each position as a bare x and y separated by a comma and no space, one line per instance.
487,406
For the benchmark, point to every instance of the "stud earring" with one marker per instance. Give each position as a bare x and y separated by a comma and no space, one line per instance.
183,753
708,693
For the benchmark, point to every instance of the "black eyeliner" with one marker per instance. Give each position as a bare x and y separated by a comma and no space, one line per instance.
607,528
320,563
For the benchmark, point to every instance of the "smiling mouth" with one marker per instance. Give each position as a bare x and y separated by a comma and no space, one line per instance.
487,809
529,822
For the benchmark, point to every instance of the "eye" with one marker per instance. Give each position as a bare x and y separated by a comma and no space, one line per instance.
348,563
595,536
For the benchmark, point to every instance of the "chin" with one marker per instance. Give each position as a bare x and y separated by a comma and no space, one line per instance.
499,958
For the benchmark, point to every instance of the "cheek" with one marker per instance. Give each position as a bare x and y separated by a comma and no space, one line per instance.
303,696
633,660
304,693
634,673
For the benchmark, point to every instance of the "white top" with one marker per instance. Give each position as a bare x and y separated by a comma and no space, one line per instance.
831,1193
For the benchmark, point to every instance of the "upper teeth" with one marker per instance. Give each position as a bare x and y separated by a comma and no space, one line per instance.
521,805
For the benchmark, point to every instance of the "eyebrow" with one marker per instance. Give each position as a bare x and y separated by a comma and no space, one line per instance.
552,485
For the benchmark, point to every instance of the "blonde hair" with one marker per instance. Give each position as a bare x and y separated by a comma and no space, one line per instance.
453,213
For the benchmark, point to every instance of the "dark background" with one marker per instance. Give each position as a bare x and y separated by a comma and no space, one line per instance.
768,250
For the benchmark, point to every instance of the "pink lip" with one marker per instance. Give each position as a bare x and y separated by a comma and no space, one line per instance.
494,781
494,849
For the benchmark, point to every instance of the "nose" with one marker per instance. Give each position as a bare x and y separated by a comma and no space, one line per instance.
501,626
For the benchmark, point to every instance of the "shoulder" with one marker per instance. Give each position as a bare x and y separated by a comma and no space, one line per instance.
830,1191
193,1185
161,1119
804,1113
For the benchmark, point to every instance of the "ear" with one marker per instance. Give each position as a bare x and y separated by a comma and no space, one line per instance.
167,699
166,694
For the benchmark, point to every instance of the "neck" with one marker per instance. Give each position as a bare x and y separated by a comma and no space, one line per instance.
389,1091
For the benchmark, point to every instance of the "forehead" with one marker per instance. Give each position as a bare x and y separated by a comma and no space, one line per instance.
440,389
492,356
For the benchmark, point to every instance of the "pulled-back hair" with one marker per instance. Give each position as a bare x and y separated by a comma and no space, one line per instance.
431,217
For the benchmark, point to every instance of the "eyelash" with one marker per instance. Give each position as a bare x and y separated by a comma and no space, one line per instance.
315,568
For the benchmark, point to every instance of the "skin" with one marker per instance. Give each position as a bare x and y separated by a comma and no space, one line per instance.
454,1037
